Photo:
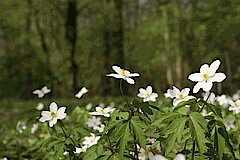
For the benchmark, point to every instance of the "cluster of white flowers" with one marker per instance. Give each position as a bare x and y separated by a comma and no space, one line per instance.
88,142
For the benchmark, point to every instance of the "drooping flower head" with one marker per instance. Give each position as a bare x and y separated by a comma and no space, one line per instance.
123,74
81,92
207,76
41,92
147,94
179,96
102,111
53,115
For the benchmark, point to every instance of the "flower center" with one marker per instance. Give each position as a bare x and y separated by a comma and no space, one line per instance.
41,135
181,96
101,111
122,72
205,75
52,114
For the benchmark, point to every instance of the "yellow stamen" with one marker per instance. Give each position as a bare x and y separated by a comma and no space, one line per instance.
205,75
181,96
52,114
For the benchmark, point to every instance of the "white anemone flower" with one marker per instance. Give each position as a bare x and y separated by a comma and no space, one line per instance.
99,128
179,96
83,91
180,157
229,123
123,74
40,106
205,113
207,76
89,106
210,98
93,122
34,128
156,157
102,111
21,126
90,141
147,94
235,106
41,92
53,115
80,150
223,100
65,153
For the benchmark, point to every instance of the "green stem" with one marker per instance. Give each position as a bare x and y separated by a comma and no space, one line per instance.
205,102
62,127
193,149
122,92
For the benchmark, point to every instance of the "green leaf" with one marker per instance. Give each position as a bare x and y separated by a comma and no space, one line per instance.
146,109
224,134
216,110
124,139
175,130
167,117
184,103
138,127
219,143
198,127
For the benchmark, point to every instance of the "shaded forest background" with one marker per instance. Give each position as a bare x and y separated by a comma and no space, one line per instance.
68,44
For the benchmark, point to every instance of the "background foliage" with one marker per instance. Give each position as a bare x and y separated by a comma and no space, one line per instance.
67,44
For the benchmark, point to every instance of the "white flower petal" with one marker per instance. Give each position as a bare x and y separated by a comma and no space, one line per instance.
60,113
207,86
218,77
214,67
52,122
36,92
185,91
195,77
130,80
53,107
134,75
45,118
117,69
197,87
204,68
115,75
176,102
149,89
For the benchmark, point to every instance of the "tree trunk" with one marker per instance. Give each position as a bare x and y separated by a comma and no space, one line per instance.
167,49
118,40
71,36
107,50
